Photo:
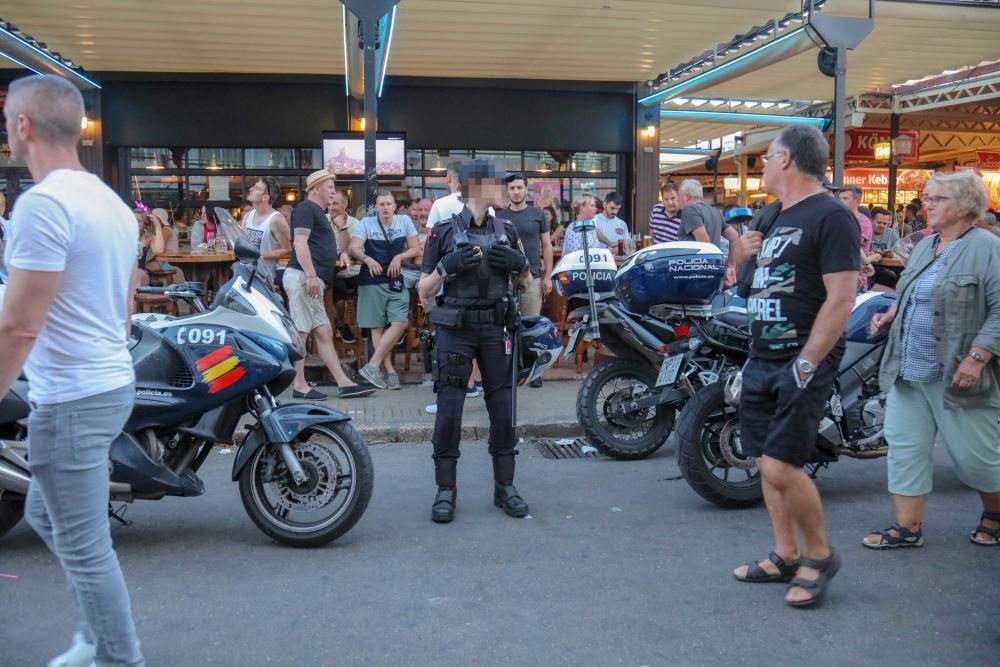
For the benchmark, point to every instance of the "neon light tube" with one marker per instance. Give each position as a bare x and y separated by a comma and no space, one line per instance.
743,117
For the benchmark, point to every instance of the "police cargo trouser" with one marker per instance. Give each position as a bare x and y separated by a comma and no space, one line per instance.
454,350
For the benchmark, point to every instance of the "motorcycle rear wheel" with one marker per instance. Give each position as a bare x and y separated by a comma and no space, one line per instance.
11,511
341,474
708,451
623,436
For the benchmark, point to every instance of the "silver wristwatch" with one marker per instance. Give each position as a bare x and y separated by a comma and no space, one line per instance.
803,370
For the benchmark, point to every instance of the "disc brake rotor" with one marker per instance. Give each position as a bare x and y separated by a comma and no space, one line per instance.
322,469
729,446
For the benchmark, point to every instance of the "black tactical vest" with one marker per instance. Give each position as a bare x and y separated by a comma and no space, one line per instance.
486,285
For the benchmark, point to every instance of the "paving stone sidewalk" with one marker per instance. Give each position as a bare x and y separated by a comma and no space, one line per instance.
400,416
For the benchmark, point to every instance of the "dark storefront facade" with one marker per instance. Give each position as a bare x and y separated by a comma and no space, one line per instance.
181,141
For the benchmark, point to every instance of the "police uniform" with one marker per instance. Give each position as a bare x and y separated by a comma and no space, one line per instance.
473,322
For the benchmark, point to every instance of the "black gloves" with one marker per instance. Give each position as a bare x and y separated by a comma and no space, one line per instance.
459,261
506,258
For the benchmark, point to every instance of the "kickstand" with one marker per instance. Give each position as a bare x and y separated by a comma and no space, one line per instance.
119,515
814,469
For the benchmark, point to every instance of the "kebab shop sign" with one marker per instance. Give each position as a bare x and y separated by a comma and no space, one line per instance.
878,179
861,143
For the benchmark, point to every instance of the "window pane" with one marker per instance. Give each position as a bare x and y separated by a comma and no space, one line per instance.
155,158
548,192
312,158
437,161
599,187
222,189
215,158
414,160
593,162
435,187
153,190
539,161
270,158
508,160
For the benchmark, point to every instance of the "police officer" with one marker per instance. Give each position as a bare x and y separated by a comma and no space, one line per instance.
478,260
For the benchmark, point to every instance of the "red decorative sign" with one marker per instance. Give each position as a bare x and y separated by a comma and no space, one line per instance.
860,144
987,159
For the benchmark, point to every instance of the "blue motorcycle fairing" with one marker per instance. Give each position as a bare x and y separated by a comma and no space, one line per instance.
280,425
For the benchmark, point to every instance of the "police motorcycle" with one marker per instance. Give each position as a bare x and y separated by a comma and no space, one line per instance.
662,316
305,475
708,430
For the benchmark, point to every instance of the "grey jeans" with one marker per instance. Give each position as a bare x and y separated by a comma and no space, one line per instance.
67,505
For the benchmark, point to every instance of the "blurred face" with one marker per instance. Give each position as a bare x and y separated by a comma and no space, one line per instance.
488,192
588,210
671,202
338,206
385,206
775,161
880,222
257,193
204,217
941,209
548,216
847,197
611,209
420,211
517,190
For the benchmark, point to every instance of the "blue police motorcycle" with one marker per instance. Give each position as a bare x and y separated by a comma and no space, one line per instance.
305,474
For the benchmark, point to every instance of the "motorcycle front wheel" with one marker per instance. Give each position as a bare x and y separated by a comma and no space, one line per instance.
614,431
709,453
340,480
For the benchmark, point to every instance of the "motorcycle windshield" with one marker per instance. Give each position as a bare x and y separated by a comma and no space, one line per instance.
231,229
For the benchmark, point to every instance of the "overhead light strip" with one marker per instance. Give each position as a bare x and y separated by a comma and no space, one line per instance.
60,64
388,46
18,62
347,69
743,117
722,69
688,151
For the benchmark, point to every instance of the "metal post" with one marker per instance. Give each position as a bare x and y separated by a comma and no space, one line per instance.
371,112
893,167
839,109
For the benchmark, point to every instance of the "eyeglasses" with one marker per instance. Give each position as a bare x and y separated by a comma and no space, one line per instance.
768,156
934,201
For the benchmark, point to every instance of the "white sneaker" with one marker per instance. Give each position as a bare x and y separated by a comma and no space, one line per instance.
80,654
431,409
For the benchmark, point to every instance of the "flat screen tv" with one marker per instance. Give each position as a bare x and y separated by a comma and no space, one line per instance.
344,153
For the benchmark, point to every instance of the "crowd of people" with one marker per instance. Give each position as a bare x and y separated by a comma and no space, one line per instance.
71,253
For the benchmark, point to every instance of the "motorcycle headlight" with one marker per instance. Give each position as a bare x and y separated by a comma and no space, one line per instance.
275,347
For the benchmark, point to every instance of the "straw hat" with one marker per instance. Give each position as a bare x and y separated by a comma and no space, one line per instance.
317,177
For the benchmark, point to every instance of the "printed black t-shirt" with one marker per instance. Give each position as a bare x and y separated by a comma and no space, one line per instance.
815,237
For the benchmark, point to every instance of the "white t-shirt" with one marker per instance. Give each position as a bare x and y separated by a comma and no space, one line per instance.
614,228
446,207
73,223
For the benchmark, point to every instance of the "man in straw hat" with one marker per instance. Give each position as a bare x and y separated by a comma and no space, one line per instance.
309,272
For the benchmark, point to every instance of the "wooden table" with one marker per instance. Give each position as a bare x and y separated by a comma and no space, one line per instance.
891,263
209,266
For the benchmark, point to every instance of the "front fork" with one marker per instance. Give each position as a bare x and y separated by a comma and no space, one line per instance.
265,403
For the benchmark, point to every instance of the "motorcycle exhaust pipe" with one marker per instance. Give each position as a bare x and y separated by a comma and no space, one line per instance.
641,334
12,479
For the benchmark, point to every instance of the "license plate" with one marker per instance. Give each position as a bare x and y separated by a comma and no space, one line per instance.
571,345
669,369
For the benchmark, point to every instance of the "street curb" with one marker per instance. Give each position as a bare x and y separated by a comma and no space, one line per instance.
381,433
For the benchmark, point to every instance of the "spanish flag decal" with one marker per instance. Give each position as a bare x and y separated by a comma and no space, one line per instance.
220,369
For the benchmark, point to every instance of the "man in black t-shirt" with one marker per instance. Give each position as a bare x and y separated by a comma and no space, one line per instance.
801,298
308,274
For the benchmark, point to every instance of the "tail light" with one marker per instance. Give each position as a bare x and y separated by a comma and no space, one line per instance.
682,330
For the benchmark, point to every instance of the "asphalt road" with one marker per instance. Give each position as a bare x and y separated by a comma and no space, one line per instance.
619,565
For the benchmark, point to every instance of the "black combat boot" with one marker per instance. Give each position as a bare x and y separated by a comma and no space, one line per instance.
505,496
445,473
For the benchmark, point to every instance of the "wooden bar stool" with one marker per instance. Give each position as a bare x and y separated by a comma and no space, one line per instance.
161,277
155,303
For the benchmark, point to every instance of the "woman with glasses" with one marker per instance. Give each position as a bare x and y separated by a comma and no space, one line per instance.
939,366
